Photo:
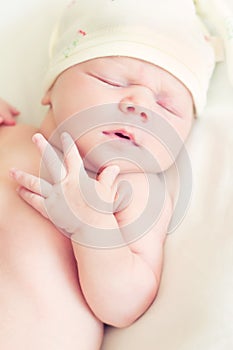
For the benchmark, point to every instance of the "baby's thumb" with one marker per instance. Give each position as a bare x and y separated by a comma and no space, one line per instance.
109,175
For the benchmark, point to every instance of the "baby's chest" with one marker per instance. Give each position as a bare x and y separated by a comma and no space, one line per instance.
27,233
15,214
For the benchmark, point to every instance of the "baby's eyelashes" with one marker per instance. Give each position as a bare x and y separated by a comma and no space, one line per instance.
168,106
165,102
164,105
109,81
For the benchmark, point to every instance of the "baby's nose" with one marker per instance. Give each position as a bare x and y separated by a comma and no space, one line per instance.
138,101
130,107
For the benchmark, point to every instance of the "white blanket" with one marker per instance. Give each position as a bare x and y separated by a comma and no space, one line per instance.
194,308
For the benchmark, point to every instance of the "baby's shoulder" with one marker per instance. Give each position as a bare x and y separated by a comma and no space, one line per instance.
16,148
11,135
16,151
19,221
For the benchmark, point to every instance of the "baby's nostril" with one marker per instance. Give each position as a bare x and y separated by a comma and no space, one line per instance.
130,109
144,115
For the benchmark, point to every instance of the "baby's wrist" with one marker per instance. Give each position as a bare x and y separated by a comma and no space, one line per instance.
101,232
99,220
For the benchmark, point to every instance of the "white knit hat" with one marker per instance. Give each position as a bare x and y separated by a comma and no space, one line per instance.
166,33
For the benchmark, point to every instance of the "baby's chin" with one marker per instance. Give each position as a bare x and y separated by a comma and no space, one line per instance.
94,170
127,168
128,159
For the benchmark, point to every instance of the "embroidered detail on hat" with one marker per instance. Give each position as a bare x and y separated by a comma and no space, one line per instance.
80,31
68,50
101,28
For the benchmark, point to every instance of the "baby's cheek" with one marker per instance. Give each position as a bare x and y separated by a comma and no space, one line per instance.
182,127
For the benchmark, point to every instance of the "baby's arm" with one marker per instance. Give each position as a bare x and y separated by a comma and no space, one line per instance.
150,212
7,113
119,283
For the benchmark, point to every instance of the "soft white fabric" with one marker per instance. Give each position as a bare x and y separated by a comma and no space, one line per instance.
218,15
194,308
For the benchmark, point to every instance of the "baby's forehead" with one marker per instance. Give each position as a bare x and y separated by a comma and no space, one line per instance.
128,65
123,61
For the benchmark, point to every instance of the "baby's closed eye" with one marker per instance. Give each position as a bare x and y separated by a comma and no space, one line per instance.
108,80
169,105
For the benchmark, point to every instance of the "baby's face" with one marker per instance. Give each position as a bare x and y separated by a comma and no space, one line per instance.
124,107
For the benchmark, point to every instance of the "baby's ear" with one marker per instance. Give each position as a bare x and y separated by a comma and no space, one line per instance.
46,100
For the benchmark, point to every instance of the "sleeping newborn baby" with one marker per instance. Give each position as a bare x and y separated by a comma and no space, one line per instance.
122,89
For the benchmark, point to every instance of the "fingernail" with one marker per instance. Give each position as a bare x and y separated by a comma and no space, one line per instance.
15,173
66,139
65,135
36,137
12,172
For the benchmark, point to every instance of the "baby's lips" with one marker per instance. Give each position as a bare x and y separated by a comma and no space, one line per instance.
121,134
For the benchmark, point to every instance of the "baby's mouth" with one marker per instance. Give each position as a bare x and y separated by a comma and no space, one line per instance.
121,135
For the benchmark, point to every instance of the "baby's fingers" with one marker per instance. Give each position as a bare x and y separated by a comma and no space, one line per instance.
50,158
7,113
14,111
109,175
34,200
7,118
73,160
31,182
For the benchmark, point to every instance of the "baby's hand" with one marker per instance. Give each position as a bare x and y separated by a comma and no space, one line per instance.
7,113
73,199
